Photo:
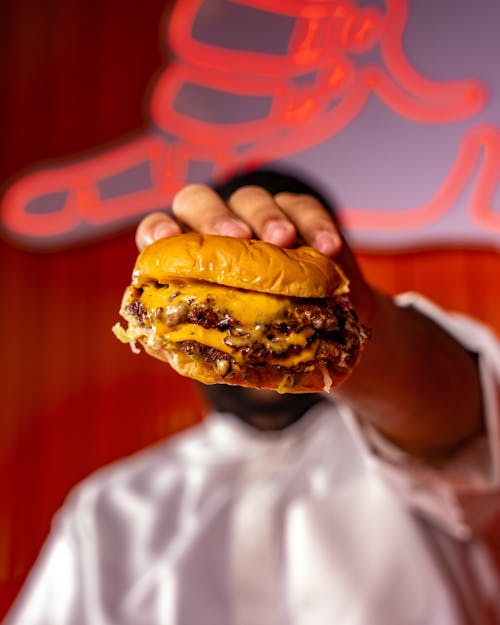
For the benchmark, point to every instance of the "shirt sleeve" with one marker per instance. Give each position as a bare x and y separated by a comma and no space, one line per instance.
49,596
463,495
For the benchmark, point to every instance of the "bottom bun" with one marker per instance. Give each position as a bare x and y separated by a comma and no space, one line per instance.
268,377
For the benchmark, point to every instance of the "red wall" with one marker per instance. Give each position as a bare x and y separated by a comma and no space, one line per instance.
73,76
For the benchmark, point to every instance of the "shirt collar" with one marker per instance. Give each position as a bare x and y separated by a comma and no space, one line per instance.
234,435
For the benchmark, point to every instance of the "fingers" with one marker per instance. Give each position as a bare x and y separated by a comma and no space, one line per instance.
313,221
258,208
281,219
155,226
200,208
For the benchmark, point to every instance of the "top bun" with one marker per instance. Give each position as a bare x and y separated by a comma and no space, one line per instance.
241,263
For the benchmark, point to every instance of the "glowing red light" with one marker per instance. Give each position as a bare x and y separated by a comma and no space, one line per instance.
295,91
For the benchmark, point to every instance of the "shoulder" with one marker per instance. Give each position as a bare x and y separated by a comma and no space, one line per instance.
140,481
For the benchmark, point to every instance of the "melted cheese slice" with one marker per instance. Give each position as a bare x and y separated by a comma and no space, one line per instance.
246,307
250,309
215,338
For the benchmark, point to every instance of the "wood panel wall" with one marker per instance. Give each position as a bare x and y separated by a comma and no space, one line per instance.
73,75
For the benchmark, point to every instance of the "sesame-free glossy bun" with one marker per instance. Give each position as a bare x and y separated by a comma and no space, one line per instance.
240,263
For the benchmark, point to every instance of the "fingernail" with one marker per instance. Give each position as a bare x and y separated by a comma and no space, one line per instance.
327,243
278,232
231,228
163,230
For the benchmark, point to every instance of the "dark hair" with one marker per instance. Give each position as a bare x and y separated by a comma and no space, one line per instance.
274,181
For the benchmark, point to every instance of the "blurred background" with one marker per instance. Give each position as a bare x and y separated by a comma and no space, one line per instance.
390,106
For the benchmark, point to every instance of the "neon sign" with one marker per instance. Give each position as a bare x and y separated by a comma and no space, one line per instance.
232,98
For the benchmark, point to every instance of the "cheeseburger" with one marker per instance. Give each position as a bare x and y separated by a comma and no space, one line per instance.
243,312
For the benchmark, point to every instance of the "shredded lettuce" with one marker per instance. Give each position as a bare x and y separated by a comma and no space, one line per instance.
328,382
285,382
125,336
120,333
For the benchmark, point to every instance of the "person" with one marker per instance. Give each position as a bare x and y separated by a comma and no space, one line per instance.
372,504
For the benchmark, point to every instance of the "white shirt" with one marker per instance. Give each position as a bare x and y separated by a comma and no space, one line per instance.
323,523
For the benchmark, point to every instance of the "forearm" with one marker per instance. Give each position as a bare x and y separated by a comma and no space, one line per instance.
415,383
